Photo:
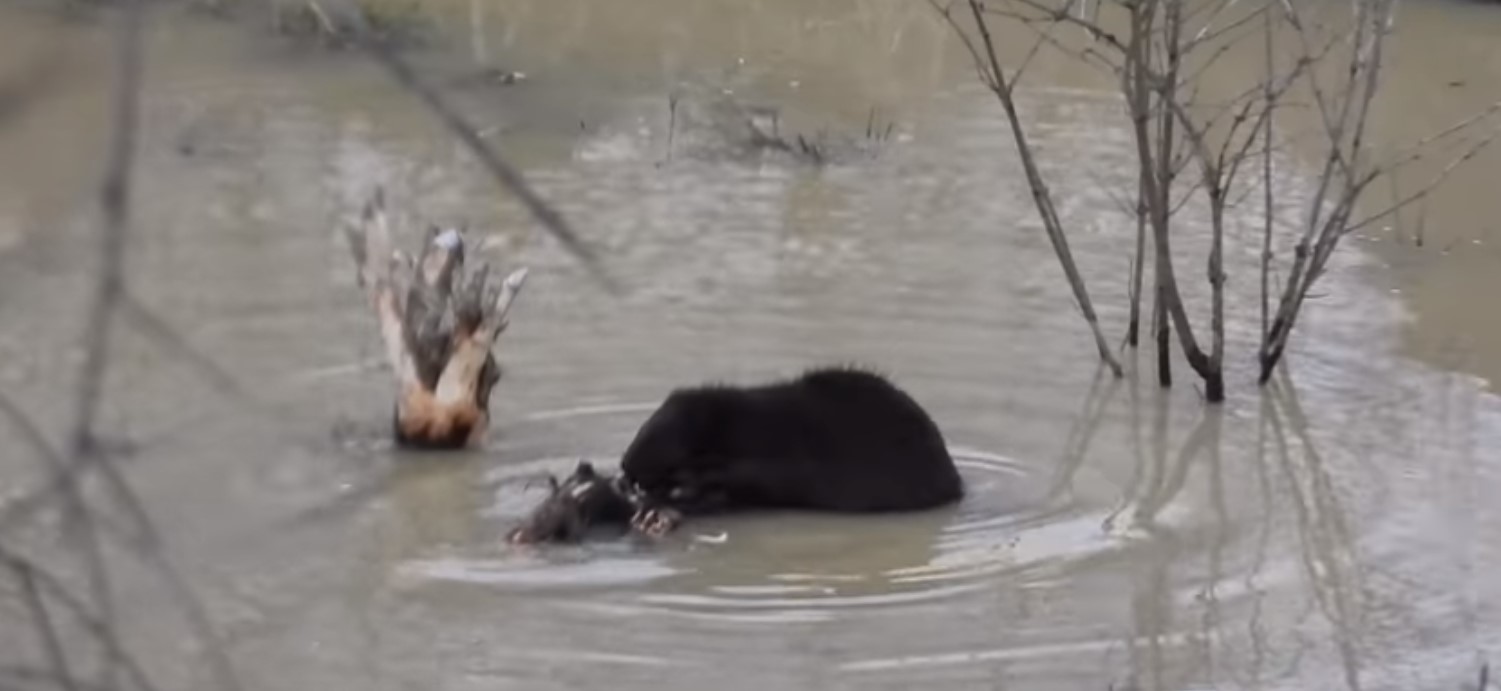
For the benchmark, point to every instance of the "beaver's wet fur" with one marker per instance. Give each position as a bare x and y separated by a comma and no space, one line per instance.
832,439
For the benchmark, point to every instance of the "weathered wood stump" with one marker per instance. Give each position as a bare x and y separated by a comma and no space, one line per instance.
438,322
586,500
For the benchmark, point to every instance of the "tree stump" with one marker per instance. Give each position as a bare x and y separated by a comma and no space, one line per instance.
438,322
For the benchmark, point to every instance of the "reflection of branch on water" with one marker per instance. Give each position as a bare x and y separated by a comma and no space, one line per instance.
1209,595
1329,558
1101,390
1254,630
1171,478
1156,485
732,127
817,149
1158,478
1138,460
1151,602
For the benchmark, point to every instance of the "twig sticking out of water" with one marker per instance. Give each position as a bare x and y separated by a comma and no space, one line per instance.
672,121
873,131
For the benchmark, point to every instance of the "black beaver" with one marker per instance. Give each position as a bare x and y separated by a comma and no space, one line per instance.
832,439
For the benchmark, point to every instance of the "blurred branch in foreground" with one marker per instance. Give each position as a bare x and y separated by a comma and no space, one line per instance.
350,13
83,524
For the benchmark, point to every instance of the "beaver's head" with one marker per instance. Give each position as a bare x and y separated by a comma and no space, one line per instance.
675,449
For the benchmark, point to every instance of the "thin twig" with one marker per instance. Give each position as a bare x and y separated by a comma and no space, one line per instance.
114,199
114,202
44,627
1266,172
53,587
1426,189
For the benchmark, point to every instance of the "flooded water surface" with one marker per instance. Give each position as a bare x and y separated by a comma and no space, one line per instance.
1335,530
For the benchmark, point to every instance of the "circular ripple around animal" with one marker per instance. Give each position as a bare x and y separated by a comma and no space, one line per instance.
770,565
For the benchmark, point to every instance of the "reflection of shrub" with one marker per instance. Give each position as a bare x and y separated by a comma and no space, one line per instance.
711,121
396,21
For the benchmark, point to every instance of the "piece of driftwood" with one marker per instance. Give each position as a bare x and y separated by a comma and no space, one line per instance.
438,322
586,500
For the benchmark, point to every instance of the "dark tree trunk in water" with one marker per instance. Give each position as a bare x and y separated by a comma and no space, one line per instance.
1164,343
438,325
1214,386
1271,355
1138,267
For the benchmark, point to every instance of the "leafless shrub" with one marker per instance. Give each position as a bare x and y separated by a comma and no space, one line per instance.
1190,146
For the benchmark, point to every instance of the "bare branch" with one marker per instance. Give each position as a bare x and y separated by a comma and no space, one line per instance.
83,451
1042,38
1061,15
1427,189
114,201
149,324
1043,28
42,621
509,178
969,46
1418,148
988,64
54,588
1041,197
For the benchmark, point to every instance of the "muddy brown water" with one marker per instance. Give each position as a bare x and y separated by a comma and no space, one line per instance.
1336,531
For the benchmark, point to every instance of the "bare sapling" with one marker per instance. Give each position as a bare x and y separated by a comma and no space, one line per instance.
1167,49
438,323
1192,149
1350,167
